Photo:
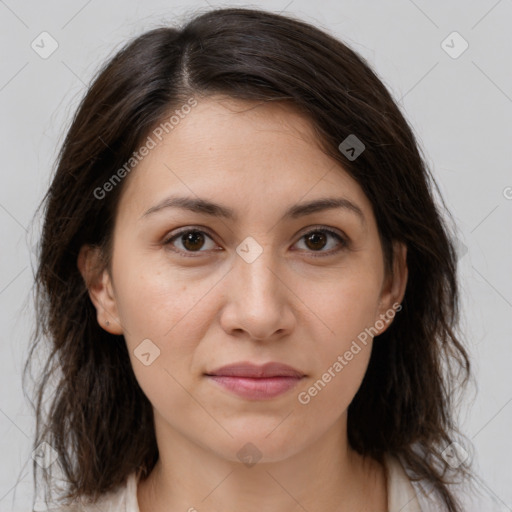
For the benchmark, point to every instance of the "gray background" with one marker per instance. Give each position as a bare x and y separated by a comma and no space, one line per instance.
460,109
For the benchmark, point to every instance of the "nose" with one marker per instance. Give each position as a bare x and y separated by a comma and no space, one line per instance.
259,302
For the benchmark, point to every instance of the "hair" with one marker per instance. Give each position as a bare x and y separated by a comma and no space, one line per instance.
99,421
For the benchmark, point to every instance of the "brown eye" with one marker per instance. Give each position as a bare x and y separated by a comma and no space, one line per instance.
318,239
191,240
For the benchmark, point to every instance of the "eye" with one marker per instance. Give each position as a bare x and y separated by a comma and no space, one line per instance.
318,238
191,240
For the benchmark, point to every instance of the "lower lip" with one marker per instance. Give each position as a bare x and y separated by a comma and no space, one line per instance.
256,388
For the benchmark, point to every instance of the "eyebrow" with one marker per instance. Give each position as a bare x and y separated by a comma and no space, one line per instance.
206,207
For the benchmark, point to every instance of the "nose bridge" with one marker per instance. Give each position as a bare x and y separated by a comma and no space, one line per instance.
257,301
255,269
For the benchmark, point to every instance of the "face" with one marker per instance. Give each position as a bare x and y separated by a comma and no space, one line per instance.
193,291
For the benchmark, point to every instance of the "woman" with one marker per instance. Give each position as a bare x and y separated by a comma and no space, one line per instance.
249,290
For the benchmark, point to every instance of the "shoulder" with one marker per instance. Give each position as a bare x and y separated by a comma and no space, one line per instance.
122,499
473,496
402,495
409,495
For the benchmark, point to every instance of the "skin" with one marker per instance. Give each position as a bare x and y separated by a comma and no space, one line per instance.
290,305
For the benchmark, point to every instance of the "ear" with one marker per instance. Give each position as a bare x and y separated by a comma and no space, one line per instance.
393,289
99,285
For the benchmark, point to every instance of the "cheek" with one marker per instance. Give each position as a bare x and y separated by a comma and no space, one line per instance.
330,389
347,309
155,299
344,306
164,313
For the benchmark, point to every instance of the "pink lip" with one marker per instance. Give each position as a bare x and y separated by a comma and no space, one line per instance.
256,382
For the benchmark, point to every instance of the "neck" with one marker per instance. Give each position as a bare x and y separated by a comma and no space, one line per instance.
327,475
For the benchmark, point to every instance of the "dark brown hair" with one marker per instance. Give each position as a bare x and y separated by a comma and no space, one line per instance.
99,421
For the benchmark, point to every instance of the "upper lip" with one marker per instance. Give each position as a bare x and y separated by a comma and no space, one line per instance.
246,369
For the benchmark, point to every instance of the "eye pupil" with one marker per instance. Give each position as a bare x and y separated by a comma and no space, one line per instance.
316,237
193,237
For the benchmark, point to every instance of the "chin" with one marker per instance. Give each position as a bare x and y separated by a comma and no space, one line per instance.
252,445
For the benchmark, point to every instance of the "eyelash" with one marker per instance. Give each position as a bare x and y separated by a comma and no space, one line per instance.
343,241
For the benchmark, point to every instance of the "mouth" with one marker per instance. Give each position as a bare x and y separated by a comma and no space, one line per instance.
255,382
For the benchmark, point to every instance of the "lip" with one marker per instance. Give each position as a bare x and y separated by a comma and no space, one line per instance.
256,382
247,369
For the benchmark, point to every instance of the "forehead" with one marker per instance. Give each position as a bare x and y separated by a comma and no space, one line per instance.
247,153
234,129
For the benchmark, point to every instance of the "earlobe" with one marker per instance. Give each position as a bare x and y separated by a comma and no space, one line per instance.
99,287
